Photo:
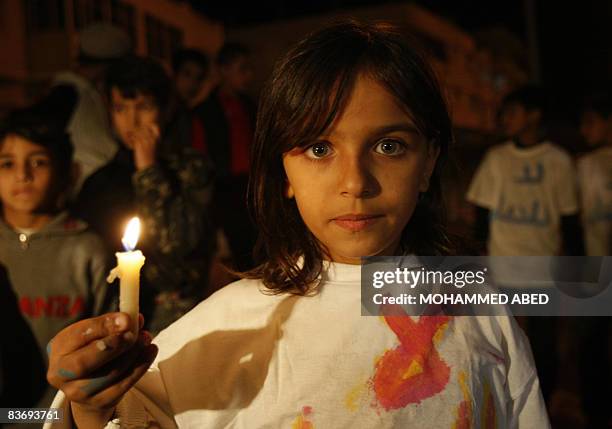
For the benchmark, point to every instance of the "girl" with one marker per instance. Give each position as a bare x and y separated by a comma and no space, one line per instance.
351,133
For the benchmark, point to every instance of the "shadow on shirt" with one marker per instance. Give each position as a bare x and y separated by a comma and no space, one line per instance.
224,369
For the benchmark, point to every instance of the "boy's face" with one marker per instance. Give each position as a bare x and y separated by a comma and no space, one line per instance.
594,128
26,176
188,80
515,119
132,117
237,74
357,186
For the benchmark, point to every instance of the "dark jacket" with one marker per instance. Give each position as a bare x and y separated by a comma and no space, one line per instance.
216,130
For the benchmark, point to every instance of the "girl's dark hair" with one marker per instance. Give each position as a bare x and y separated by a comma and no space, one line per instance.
135,75
44,129
307,90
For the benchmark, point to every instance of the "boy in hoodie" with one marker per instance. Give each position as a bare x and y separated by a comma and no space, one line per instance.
55,265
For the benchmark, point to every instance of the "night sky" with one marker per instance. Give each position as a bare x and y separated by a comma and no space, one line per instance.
574,38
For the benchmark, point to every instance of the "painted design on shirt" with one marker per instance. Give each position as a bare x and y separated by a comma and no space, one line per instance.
412,371
531,174
302,420
536,215
464,410
488,417
354,397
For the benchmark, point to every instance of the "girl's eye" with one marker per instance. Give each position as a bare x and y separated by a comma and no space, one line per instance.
318,150
40,162
5,165
390,147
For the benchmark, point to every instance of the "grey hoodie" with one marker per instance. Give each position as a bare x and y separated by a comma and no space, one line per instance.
58,274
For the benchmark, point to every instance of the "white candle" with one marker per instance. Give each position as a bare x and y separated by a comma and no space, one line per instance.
128,268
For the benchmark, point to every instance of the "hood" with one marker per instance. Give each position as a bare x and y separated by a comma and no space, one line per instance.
61,225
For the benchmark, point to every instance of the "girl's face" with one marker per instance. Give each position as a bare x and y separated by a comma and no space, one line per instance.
356,187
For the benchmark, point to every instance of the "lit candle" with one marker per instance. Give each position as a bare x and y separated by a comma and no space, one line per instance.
128,268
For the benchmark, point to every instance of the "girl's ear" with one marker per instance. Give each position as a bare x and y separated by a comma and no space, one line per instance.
432,157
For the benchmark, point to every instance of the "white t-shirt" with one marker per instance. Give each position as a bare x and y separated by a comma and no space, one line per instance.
527,190
89,128
244,359
595,182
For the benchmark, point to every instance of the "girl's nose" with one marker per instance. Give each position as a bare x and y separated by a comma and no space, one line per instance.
24,173
356,179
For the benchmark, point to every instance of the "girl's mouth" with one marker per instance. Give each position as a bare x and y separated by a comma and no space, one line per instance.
356,222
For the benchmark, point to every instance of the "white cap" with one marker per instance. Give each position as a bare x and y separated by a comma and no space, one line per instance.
104,41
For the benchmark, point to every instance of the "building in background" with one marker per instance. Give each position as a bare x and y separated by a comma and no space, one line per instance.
473,82
40,37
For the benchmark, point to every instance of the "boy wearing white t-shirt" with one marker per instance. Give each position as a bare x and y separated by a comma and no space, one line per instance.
525,189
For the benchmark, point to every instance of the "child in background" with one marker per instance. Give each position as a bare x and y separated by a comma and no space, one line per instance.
595,176
526,199
160,179
56,265
525,189
228,117
351,134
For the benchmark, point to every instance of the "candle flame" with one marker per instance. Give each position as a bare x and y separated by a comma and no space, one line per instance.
132,232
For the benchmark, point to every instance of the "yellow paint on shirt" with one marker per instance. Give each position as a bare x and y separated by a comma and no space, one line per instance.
351,401
415,368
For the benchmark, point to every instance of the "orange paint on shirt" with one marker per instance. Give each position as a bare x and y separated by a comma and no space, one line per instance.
464,410
412,371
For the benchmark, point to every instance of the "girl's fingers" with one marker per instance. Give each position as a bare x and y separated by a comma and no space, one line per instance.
83,388
85,331
96,354
107,389
111,396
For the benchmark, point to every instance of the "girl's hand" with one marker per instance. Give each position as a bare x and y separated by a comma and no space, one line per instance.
95,362
145,142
